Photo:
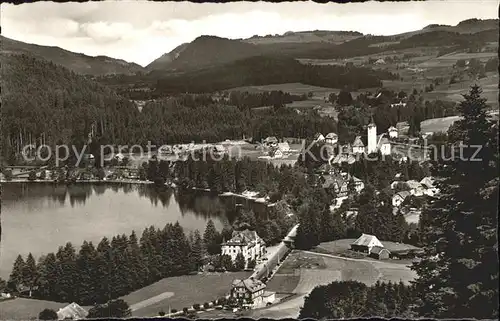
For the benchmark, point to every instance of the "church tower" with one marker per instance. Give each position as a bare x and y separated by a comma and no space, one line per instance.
372,138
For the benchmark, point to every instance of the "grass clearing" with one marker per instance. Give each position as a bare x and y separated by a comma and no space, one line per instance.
340,246
27,309
187,290
292,88
316,269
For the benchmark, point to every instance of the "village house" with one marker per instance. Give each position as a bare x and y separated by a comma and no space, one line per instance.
252,292
384,146
165,150
429,189
400,104
270,141
365,243
331,138
415,188
357,146
219,149
246,242
284,147
393,132
72,312
343,158
399,198
380,253
276,153
340,183
319,137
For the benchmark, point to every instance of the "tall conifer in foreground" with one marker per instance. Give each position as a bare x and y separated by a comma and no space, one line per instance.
458,275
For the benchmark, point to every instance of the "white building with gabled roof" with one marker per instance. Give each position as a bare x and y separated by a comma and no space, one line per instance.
393,132
246,242
365,243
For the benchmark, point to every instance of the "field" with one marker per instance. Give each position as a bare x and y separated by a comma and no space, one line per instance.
340,246
302,271
292,88
26,309
179,292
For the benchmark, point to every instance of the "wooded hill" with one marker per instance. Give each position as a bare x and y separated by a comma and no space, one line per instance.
265,70
46,103
79,63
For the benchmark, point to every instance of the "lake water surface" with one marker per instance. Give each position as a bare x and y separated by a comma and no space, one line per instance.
38,218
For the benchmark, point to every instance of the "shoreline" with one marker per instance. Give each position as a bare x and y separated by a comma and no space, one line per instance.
89,181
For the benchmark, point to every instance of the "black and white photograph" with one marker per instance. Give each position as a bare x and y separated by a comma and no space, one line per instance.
258,160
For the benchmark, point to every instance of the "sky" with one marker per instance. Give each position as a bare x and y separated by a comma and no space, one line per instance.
140,31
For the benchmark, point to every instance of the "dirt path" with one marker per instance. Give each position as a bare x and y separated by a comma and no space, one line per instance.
151,301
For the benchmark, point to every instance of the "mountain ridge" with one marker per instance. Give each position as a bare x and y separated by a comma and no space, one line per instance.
77,62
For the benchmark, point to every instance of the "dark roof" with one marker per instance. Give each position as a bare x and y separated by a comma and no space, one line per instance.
243,238
250,284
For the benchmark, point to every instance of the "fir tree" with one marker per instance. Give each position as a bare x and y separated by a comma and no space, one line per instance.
210,238
16,276
239,262
30,273
458,276
197,250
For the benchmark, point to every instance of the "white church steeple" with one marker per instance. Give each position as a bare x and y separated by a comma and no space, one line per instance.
372,137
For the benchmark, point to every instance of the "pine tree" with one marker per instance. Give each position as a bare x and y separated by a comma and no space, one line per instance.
86,263
30,273
16,276
197,250
239,262
458,276
210,238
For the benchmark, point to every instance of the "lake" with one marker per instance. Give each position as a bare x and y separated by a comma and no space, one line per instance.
38,218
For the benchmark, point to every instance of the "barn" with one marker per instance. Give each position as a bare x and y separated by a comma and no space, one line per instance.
380,253
365,243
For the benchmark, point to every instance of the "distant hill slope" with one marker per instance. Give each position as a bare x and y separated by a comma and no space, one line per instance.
204,51
265,70
210,51
79,63
43,99
165,60
306,37
464,27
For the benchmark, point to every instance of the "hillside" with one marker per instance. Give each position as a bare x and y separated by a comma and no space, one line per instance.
320,44
306,37
165,60
42,101
265,70
202,52
79,63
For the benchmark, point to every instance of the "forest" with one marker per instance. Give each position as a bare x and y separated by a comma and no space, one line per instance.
43,103
265,70
457,275
353,299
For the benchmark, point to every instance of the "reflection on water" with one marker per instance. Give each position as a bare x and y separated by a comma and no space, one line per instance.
38,218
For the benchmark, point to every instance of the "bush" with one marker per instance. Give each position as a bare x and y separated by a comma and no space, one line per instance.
32,176
206,305
161,313
196,306
48,314
8,174
185,310
222,301
173,311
